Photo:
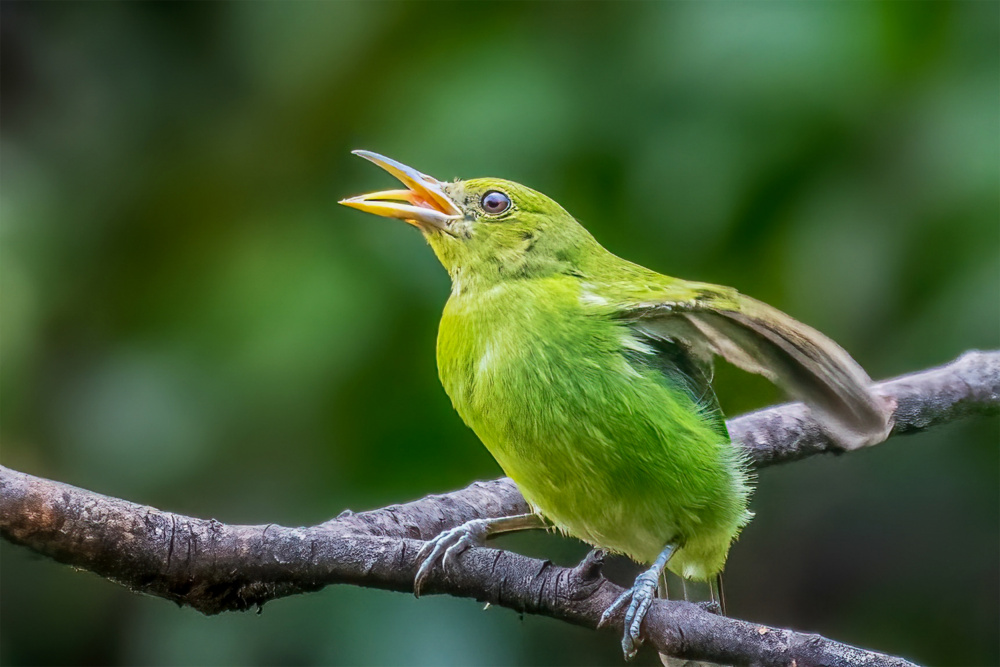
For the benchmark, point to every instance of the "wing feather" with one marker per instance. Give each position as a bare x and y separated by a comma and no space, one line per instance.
760,339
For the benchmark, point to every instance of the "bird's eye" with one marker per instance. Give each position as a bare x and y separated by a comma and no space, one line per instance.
495,202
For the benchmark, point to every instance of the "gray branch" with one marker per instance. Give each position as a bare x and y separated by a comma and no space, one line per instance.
215,567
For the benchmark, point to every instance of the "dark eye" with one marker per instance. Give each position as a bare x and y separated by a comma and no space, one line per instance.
495,202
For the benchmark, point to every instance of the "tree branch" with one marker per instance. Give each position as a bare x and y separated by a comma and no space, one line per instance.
215,567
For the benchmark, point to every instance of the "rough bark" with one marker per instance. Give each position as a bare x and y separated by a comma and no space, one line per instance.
214,567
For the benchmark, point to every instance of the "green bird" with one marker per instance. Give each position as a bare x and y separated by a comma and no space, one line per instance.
588,379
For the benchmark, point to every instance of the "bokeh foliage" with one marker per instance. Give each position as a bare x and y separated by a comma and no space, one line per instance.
189,320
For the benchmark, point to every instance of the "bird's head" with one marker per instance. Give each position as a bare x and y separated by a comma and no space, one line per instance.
484,230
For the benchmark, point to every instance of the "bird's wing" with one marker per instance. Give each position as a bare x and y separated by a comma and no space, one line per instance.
683,370
712,320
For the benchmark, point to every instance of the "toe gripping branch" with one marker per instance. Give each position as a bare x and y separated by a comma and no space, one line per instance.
450,544
639,598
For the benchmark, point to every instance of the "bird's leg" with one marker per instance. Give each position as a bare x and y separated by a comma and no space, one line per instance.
639,597
450,544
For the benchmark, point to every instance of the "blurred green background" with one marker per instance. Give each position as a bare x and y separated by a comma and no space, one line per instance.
190,321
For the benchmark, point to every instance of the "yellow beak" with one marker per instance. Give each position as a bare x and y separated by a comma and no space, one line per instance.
424,203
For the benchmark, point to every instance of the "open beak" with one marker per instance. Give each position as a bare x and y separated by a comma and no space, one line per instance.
423,204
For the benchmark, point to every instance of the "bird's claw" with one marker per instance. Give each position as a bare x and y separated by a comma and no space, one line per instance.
712,607
446,548
639,597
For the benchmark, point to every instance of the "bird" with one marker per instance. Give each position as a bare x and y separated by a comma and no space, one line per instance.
588,378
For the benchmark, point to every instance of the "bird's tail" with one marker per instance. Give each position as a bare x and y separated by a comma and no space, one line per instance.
689,590
719,594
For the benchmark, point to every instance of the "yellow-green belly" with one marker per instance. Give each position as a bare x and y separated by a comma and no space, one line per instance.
602,444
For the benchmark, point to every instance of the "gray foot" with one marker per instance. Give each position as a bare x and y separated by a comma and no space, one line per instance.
711,607
639,597
447,547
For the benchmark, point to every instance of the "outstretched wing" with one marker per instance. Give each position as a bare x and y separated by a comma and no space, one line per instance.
708,319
